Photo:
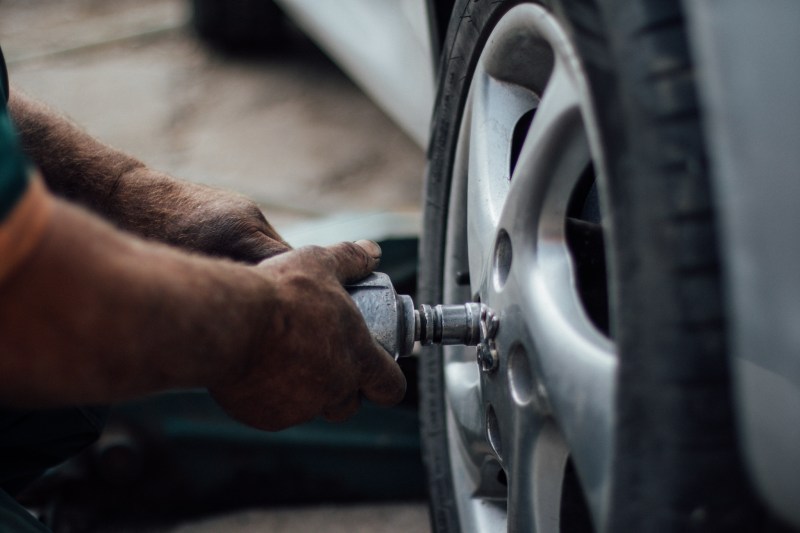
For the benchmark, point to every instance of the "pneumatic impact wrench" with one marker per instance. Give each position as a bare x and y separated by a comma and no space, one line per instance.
396,325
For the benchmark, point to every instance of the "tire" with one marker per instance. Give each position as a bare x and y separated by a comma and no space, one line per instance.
585,220
239,26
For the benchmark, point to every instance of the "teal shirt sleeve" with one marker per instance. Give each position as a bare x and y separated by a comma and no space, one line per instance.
14,168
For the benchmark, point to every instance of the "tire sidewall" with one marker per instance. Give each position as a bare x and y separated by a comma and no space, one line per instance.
471,25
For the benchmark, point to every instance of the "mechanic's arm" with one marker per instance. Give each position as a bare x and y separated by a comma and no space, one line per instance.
136,198
89,314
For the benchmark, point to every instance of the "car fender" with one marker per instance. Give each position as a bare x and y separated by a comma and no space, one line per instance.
385,47
749,79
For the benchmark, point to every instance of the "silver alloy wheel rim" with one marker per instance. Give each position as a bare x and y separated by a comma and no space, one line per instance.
551,399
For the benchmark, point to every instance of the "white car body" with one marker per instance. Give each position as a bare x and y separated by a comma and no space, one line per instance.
386,46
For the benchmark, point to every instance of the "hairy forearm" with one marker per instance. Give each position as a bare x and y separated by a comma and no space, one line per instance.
95,315
78,167
136,198
75,165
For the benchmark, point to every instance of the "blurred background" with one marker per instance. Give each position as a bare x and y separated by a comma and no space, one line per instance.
283,126
277,121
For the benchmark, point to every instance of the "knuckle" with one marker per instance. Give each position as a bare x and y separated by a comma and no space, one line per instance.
314,253
300,284
253,212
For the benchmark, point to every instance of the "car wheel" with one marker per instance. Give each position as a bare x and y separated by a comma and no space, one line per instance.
239,25
567,190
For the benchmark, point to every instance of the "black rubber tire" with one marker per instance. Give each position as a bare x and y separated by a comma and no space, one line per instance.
678,467
239,26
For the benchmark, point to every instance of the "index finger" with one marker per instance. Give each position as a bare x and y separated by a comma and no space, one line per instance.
381,379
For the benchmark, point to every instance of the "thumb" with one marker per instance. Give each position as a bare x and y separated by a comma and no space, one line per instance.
354,261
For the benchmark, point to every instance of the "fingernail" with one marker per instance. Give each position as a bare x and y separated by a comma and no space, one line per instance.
371,247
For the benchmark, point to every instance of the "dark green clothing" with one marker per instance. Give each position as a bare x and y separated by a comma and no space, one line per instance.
14,169
32,441
14,517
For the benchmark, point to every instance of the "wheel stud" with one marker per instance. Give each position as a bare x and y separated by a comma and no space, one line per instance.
488,358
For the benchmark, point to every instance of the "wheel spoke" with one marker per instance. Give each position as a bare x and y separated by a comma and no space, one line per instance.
464,396
574,364
535,483
496,107
578,375
555,151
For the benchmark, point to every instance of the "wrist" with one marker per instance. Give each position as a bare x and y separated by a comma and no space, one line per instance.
241,315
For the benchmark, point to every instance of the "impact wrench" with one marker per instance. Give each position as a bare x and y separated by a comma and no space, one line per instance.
396,325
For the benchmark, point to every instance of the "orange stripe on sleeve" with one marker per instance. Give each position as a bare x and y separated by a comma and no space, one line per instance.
24,227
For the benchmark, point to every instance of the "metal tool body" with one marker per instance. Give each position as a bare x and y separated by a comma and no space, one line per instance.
396,325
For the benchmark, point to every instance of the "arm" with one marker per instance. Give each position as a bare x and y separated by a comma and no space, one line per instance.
93,315
136,198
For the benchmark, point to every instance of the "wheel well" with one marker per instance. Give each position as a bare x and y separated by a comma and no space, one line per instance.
440,11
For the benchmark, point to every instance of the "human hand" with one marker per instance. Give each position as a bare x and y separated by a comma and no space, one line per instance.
315,355
216,222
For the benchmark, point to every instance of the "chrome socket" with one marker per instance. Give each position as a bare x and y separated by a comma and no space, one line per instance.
396,325
449,324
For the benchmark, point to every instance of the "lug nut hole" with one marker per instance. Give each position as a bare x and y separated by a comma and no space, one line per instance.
519,375
502,259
